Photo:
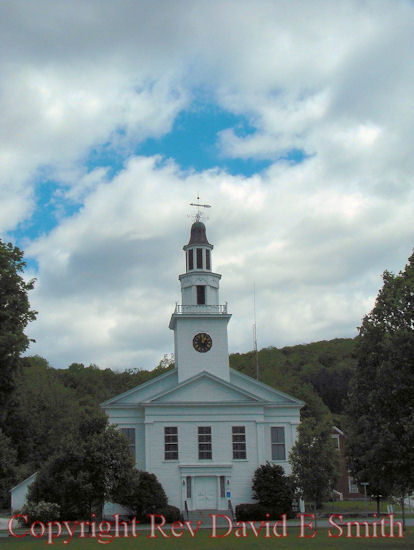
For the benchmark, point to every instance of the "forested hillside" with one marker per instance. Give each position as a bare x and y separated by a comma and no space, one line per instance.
308,371
49,404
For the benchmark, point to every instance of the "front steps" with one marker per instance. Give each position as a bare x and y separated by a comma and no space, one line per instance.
204,516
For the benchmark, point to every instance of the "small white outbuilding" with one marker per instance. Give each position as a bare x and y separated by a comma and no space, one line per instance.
19,493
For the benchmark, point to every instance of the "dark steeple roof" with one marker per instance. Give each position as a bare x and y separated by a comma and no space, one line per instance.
198,234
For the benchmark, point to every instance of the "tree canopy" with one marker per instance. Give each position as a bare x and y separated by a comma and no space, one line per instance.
15,314
318,373
7,467
85,472
381,401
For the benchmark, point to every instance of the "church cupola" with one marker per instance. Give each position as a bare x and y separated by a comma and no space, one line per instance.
198,234
198,250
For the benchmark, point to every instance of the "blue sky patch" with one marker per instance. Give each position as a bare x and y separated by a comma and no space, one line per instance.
192,144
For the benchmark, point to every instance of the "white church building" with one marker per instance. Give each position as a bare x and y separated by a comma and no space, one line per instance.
203,428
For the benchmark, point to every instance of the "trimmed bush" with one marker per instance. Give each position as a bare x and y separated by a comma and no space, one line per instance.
272,488
257,512
171,514
144,495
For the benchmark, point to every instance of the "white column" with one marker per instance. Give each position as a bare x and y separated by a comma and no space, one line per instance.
260,432
148,444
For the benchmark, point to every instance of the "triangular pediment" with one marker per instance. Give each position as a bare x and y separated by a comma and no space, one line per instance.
202,388
205,388
144,392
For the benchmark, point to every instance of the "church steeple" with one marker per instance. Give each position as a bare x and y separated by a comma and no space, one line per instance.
200,321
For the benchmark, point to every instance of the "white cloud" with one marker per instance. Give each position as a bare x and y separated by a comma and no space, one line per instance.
332,79
108,276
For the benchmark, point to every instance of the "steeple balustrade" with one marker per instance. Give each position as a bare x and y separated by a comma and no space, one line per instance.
200,308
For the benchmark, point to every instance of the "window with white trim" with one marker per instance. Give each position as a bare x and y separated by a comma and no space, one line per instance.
277,435
170,443
239,442
204,443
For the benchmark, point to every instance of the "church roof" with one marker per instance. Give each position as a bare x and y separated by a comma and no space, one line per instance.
198,234
202,387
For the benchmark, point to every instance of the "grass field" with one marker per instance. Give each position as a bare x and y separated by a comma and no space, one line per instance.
202,541
361,506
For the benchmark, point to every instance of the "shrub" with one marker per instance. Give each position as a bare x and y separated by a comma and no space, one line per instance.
257,512
41,511
144,495
272,488
171,514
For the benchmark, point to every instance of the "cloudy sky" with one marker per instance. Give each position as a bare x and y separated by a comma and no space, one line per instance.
294,120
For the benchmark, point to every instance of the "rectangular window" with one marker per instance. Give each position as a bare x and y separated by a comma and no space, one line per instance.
129,433
239,442
278,443
204,443
199,258
171,443
222,487
208,260
188,483
190,259
201,294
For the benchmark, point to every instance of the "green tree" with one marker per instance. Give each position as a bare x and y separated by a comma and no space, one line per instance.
272,488
85,472
8,456
314,460
41,413
15,314
381,401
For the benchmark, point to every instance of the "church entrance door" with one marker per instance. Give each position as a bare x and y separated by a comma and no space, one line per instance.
206,492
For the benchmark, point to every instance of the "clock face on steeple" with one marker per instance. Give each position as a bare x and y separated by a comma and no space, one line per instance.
202,342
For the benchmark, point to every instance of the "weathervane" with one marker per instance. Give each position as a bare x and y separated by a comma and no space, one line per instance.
199,215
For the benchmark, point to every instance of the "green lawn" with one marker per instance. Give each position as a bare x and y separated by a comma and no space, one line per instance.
361,506
202,541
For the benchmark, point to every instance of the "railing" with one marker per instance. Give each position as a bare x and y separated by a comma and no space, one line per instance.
197,308
185,510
